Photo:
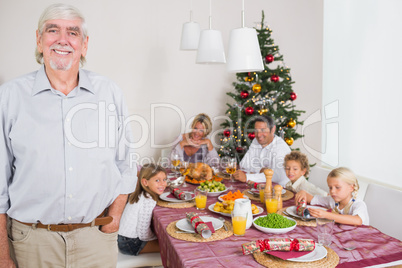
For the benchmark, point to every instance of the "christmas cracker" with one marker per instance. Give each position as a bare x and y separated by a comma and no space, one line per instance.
278,244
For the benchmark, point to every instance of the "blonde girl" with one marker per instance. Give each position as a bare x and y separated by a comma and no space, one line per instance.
135,234
343,188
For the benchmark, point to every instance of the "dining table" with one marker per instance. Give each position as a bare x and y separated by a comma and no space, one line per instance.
372,247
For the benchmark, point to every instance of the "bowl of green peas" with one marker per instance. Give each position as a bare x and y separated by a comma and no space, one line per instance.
274,223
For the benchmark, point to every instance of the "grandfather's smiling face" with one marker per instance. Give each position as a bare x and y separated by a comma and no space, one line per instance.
62,44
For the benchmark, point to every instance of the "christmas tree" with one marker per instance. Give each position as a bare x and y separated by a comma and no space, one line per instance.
266,92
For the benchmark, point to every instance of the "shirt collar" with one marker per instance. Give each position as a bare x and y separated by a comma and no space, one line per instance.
42,82
299,181
255,143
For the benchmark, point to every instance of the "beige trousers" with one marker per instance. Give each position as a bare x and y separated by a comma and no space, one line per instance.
85,247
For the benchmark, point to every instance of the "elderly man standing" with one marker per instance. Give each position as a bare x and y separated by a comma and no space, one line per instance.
65,171
266,151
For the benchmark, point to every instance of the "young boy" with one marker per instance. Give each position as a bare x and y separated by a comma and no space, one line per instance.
296,167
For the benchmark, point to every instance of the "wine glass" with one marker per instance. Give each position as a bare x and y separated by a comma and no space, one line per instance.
231,169
175,160
184,170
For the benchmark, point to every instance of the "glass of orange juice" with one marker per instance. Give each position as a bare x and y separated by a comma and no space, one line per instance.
271,202
200,198
239,220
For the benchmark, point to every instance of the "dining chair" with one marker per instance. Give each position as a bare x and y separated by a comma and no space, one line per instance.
318,176
383,208
142,260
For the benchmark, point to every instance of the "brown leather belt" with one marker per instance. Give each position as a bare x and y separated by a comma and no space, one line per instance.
69,227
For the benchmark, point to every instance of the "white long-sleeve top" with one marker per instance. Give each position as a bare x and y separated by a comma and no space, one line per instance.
271,156
136,219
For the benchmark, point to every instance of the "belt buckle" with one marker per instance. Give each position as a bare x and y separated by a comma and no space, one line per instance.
48,227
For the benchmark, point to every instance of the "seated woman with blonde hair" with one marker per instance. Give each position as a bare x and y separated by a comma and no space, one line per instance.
195,147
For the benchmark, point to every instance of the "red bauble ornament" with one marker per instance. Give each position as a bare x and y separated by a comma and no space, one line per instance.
251,135
293,96
269,58
226,133
275,78
244,94
240,150
249,110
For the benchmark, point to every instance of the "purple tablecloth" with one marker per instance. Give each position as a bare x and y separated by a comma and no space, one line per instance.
372,246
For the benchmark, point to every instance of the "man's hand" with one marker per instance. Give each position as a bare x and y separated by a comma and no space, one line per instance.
111,227
115,210
7,263
240,176
5,260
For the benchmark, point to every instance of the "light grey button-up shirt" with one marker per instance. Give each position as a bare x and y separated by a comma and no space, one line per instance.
63,159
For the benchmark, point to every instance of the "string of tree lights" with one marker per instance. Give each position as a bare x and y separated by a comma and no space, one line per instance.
267,92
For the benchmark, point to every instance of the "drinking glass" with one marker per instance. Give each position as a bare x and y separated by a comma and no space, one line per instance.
200,198
231,169
271,202
239,221
184,170
175,160
325,228
262,192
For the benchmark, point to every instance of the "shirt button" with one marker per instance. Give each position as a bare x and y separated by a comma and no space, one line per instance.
68,119
69,144
70,195
69,218
70,168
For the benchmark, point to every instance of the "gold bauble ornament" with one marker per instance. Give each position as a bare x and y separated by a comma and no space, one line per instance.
248,79
289,141
291,123
256,88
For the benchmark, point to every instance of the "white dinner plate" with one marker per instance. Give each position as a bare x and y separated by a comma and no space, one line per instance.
221,199
211,208
165,197
292,211
317,254
185,226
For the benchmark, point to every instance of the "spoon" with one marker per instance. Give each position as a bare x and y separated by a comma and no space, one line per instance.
224,225
349,248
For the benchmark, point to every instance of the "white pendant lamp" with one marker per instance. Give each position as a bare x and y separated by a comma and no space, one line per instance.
210,46
244,54
190,34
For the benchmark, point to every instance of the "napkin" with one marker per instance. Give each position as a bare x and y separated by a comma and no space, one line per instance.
179,194
205,229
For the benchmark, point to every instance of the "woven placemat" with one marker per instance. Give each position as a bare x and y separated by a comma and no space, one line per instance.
299,222
286,196
165,204
267,260
218,235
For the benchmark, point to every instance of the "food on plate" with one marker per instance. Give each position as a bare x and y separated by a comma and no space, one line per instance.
224,207
273,220
232,196
200,171
212,186
254,209
227,207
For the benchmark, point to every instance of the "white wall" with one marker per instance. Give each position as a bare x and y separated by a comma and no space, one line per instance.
362,69
136,43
